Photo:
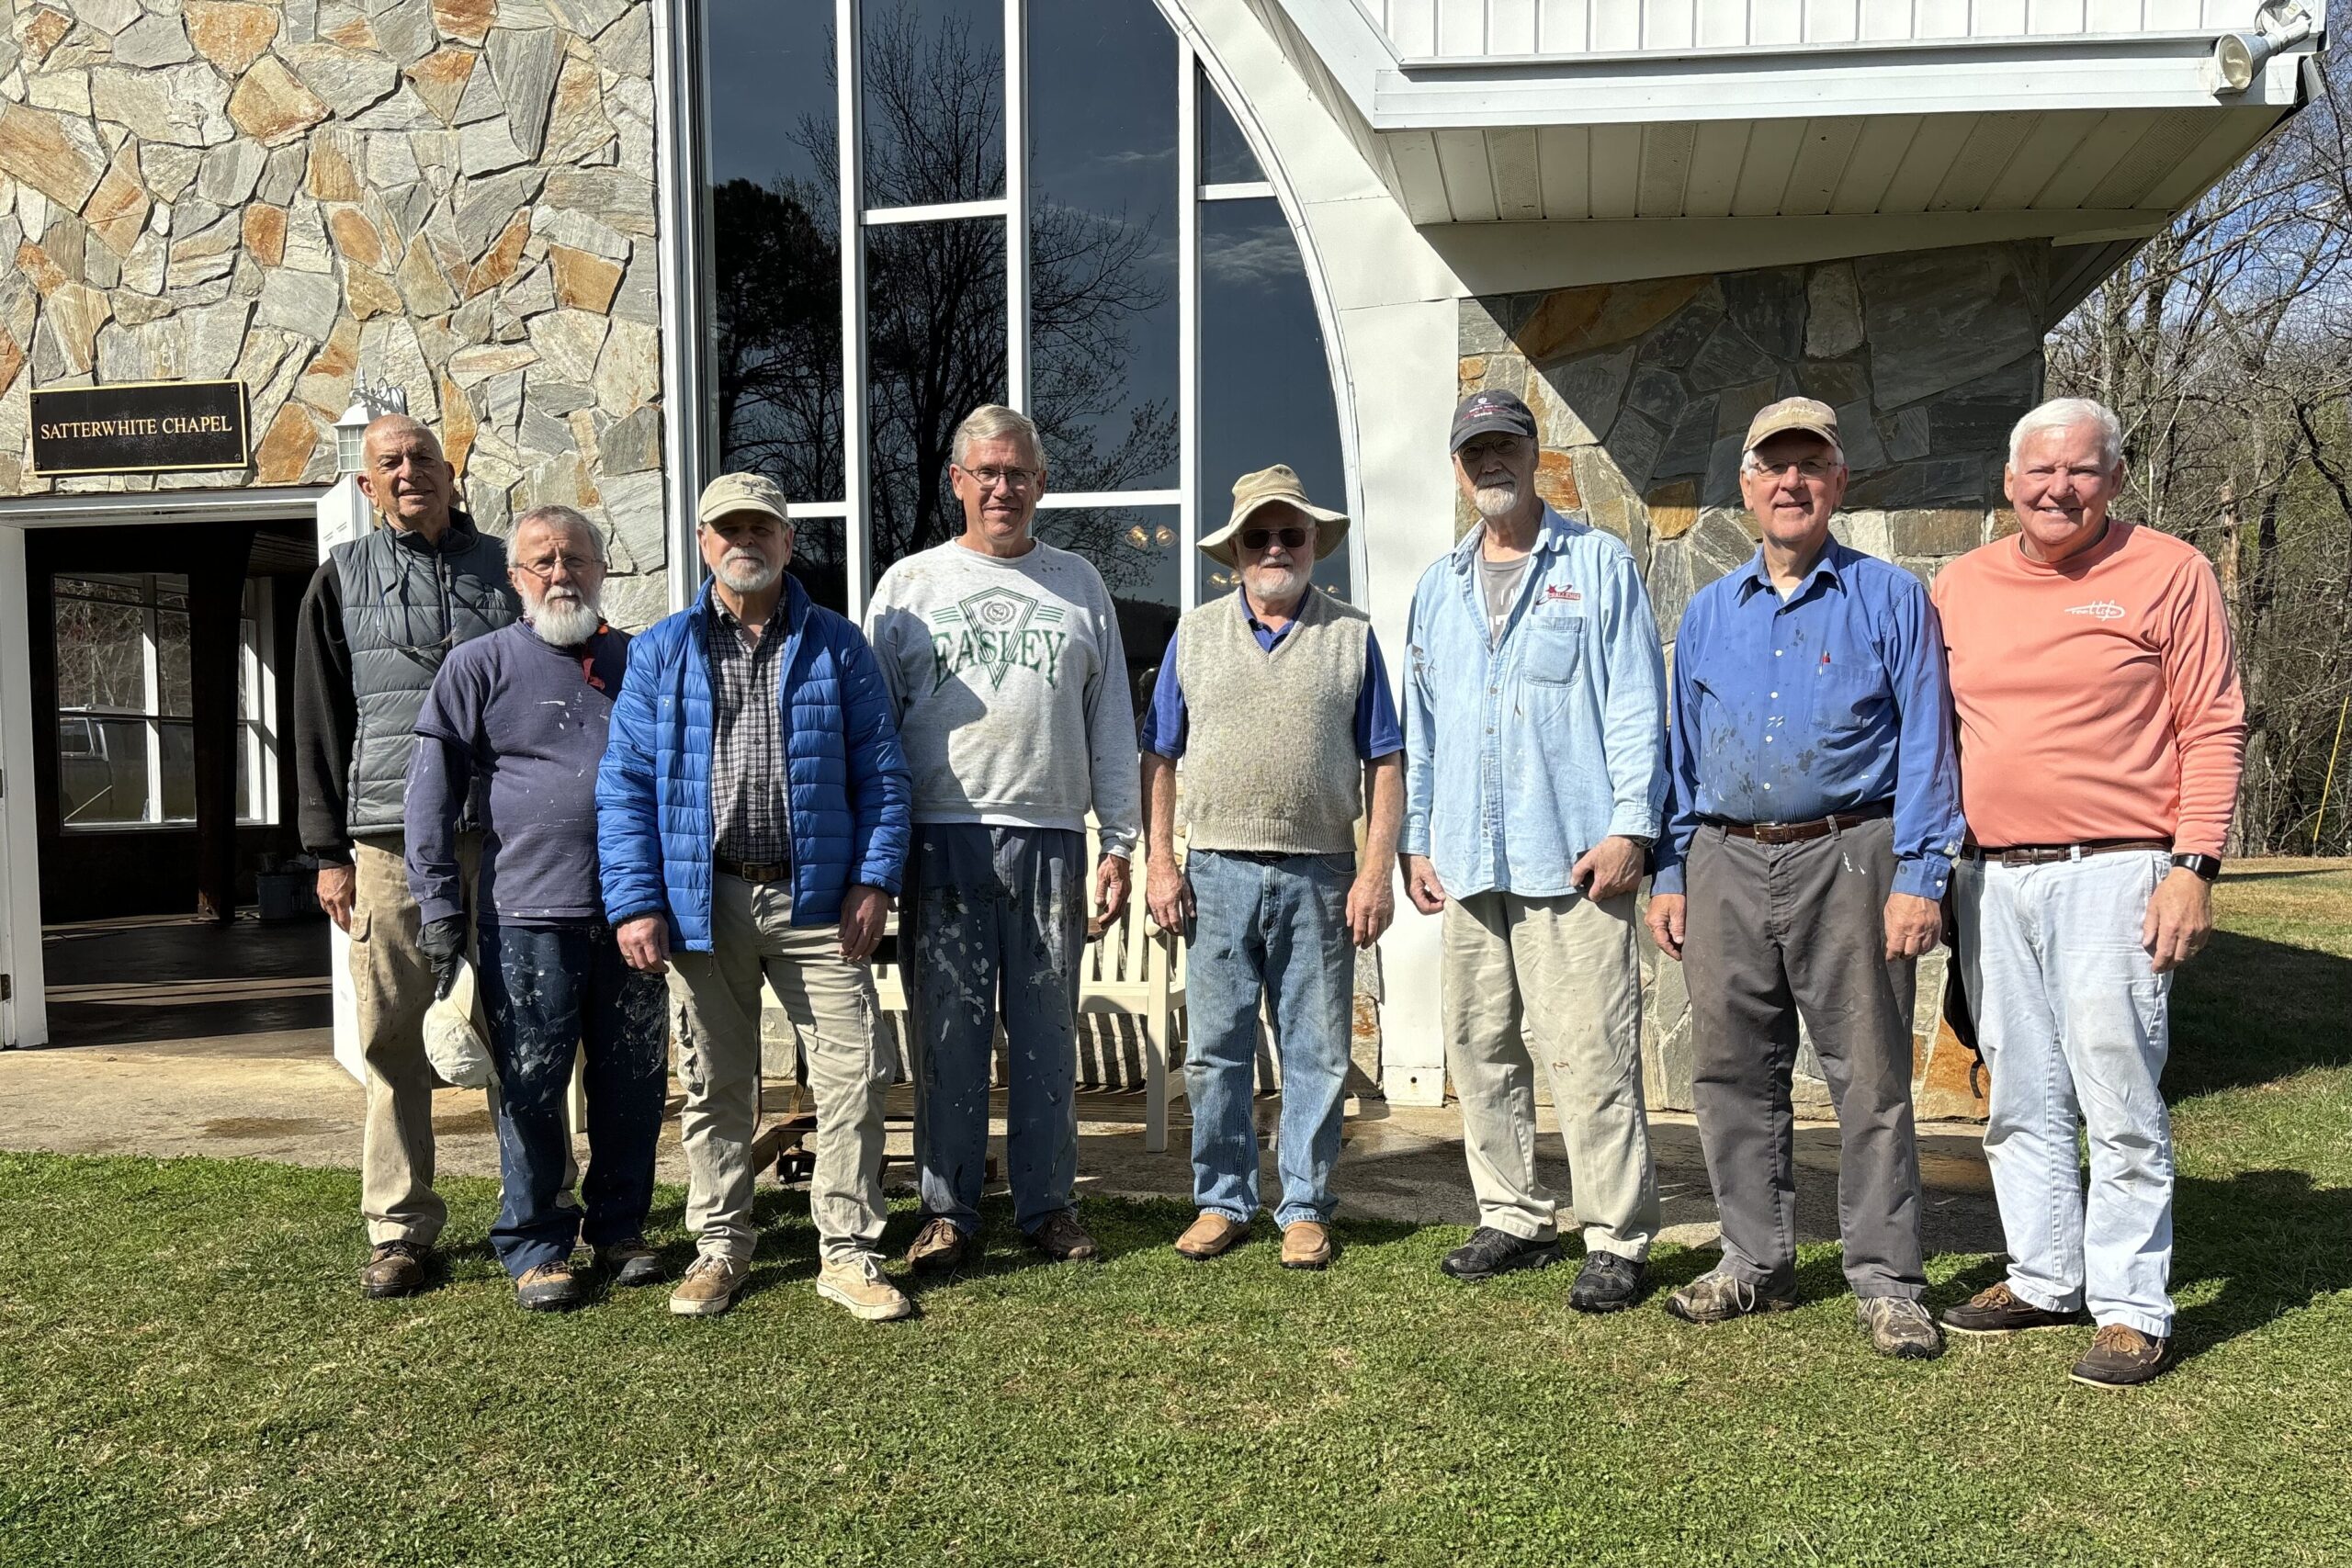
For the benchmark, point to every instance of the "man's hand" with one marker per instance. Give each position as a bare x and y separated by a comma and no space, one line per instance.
1372,906
2179,919
863,909
1422,886
645,945
1913,925
1611,867
1110,890
337,886
1667,913
1168,893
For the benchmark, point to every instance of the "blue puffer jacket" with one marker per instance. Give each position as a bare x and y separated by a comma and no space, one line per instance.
849,788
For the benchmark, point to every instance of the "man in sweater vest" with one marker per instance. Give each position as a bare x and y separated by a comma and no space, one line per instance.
1276,698
2101,734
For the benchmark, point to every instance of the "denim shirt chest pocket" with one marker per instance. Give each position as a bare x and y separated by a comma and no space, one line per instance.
1550,648
1843,694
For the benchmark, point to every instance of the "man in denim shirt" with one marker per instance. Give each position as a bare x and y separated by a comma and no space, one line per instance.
1815,815
1534,738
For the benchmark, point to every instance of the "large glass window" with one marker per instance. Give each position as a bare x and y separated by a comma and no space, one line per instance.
1054,210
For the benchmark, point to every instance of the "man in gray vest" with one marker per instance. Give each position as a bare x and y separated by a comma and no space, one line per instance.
381,613
1277,699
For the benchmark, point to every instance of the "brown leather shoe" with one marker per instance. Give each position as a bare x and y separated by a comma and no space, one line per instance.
939,1248
2121,1356
1063,1239
395,1268
1211,1236
1306,1245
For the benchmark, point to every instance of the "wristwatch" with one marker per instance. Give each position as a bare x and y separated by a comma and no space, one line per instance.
2208,867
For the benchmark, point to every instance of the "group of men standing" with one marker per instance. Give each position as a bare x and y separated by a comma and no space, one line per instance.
2047,747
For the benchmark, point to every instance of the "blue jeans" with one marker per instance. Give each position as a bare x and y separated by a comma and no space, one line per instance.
2075,1028
1276,928
993,924
547,993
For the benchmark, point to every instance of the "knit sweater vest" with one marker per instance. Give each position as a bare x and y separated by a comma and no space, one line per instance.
1270,749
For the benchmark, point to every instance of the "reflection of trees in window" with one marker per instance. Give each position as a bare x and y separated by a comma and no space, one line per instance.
777,333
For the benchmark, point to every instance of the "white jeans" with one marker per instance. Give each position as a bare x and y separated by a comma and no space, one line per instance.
2074,1025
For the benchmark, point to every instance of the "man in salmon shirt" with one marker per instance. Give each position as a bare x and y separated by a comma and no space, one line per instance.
2101,732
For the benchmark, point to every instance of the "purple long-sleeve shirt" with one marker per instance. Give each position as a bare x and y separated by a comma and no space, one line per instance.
529,719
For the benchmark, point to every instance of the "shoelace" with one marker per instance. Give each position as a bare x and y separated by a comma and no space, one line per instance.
2119,1336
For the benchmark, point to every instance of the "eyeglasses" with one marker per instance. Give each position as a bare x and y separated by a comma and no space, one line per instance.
1807,467
576,565
1015,479
1258,538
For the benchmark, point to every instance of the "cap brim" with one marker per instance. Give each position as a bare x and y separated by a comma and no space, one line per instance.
1488,426
718,510
1796,427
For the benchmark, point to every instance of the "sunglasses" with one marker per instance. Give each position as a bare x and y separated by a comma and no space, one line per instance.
1258,538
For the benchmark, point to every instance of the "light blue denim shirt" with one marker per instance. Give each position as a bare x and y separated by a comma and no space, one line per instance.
1522,756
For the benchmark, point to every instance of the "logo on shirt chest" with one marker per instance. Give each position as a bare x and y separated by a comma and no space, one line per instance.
1562,593
2099,609
995,631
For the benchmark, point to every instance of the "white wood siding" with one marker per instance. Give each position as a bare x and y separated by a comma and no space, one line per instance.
1456,29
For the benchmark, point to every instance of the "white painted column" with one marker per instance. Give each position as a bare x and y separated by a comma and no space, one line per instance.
344,516
24,1015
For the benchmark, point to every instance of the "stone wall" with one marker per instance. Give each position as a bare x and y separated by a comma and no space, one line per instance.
1644,391
454,197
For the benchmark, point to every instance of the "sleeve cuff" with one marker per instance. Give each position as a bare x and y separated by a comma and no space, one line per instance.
1634,824
1667,879
1923,876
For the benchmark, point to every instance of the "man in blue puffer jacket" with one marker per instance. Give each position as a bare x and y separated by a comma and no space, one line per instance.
751,822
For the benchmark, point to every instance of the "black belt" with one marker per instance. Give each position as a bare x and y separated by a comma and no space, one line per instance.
754,871
1273,857
1801,833
2046,854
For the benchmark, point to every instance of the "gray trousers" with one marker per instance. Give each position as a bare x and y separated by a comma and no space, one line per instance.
1775,931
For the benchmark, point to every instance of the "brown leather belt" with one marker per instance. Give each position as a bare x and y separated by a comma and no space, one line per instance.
1801,833
754,871
2046,854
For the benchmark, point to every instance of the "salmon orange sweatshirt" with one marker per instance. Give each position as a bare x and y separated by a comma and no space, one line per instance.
2098,698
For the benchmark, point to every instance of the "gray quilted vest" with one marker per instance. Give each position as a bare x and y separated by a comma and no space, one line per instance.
405,604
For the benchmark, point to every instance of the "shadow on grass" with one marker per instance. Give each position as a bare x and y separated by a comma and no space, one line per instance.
2275,1242
2250,1011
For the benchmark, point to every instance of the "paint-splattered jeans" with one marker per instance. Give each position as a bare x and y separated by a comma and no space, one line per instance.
549,994
994,923
1277,930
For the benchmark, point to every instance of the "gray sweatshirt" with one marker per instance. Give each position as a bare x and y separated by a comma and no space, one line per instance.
1011,690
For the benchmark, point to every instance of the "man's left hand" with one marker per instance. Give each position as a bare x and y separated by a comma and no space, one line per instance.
1913,925
1109,890
2179,919
863,909
1371,905
1611,867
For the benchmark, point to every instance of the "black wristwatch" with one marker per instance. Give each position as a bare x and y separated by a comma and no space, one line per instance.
2206,867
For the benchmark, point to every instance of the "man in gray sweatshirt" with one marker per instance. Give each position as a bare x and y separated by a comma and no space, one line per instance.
1003,659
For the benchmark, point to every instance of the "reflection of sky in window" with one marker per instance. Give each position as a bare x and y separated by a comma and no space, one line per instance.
770,70
933,78
1226,158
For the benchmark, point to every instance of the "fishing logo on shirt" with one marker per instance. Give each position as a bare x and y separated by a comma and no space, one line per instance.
995,631
2099,609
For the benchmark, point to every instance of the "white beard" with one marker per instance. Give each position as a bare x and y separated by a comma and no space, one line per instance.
745,576
1276,586
565,620
1494,500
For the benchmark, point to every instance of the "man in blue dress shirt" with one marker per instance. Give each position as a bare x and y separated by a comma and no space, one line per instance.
1814,818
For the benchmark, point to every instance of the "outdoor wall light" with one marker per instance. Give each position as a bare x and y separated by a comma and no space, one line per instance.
2237,56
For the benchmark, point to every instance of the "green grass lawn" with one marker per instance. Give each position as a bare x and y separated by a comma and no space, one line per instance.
187,1376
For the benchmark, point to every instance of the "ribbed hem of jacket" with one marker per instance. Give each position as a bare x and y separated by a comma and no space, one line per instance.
1270,836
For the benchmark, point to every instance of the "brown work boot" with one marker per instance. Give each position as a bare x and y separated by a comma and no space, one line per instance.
1306,1245
1061,1237
939,1248
395,1268
1996,1309
551,1286
709,1286
2121,1356
859,1285
1211,1236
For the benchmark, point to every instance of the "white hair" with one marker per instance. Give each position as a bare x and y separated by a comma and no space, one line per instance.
994,422
560,516
2064,413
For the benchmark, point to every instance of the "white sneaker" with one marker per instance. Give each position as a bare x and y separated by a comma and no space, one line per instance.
861,1287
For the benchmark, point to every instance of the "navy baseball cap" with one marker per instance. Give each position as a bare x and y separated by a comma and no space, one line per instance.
1486,411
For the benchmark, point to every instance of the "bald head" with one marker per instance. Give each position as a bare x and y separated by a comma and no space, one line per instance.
405,476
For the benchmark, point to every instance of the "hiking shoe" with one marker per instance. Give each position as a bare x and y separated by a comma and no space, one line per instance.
631,1262
1489,1252
1063,1239
551,1286
1211,1236
1307,1244
709,1286
859,1285
939,1248
1607,1282
1718,1297
2121,1356
1900,1327
394,1269
1996,1309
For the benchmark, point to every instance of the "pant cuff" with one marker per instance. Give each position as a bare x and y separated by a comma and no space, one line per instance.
381,1231
1632,1251
1879,1290
1286,1215
2042,1299
2154,1328
1512,1224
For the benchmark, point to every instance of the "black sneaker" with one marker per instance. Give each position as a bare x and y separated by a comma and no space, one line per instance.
1996,1309
2121,1356
1489,1252
1607,1282
631,1262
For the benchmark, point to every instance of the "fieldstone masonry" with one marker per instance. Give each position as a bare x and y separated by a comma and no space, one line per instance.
1644,391
452,197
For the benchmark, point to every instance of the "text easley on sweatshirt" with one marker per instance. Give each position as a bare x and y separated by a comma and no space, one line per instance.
1011,686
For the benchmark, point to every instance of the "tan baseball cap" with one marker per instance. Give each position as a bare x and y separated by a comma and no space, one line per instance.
1263,488
1808,414
741,492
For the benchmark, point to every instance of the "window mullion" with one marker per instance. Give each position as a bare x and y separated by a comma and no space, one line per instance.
857,524
1188,328
1016,203
153,811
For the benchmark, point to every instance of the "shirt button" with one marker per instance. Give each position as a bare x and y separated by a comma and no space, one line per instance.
1767,740
1776,653
1767,786
1776,694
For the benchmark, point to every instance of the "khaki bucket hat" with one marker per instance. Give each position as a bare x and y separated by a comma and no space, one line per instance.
1251,492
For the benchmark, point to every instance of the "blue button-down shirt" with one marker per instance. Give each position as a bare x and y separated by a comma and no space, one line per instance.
1831,700
1522,754
1166,722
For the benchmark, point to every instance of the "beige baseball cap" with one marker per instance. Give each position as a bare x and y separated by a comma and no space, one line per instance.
1808,414
1263,488
741,492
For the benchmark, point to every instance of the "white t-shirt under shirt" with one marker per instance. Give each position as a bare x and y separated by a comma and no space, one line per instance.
1010,686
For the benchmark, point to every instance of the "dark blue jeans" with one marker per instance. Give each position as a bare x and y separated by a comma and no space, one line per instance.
547,993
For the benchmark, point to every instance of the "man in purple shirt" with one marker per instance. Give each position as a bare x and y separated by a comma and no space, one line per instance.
517,720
